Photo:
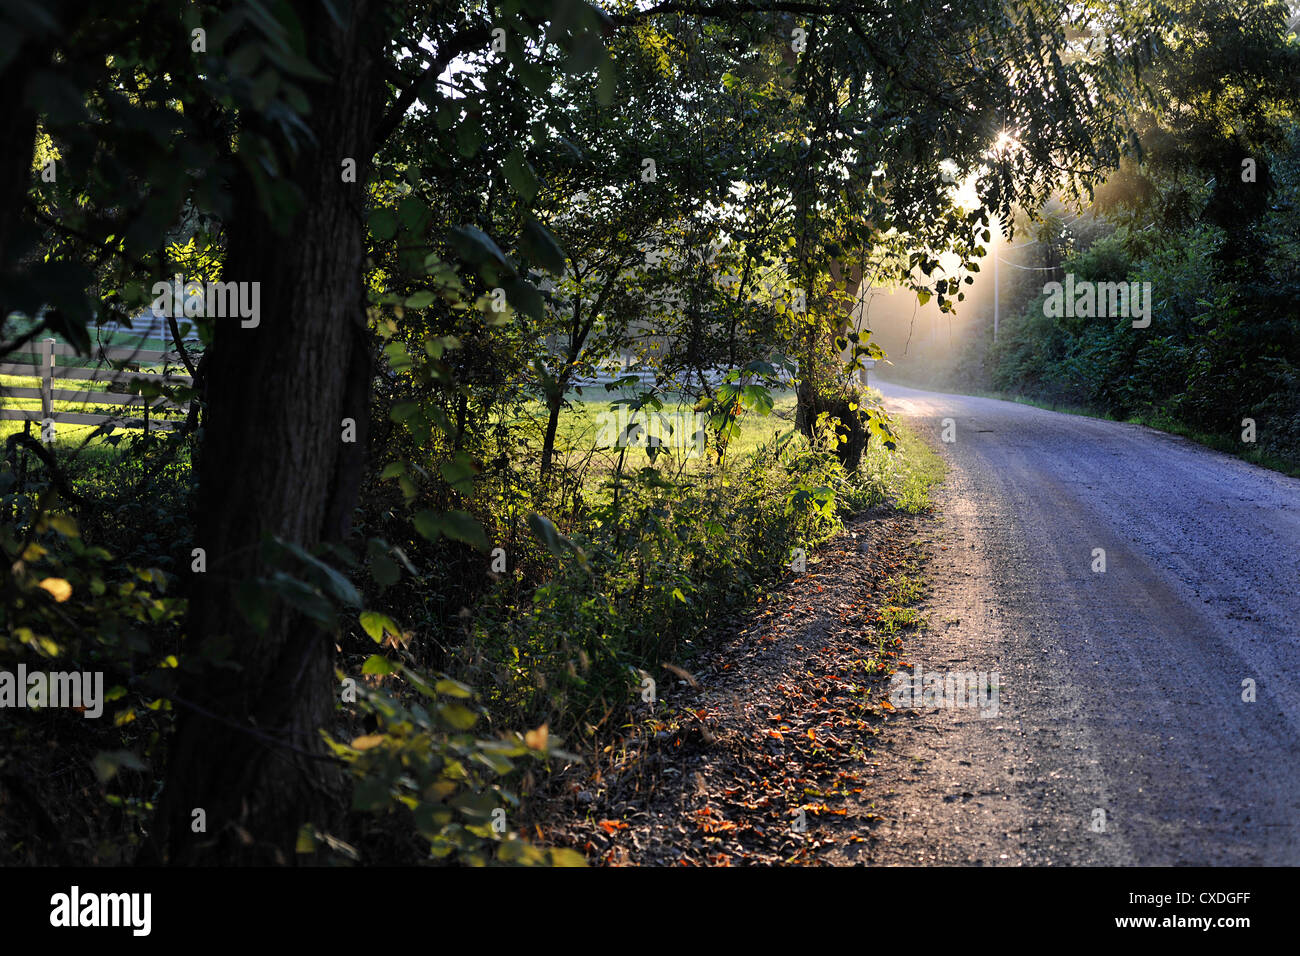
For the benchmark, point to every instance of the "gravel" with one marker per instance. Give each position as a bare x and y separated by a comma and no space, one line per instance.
1122,736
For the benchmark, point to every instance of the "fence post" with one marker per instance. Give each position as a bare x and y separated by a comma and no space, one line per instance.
47,390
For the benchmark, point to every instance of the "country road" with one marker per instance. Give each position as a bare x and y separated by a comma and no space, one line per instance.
1122,735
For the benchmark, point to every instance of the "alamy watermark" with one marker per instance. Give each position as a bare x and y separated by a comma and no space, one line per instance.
75,909
977,690
681,430
84,690
217,300
1097,300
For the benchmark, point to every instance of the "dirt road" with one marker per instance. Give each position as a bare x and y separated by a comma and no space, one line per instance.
1146,713
1122,735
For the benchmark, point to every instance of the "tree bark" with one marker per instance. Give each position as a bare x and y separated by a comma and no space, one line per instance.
811,401
554,402
273,463
18,133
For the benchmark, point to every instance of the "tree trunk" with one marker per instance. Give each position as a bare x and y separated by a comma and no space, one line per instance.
810,399
18,133
553,404
849,425
247,749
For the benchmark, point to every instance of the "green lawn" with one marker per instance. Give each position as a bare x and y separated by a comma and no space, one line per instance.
590,421
68,436
905,475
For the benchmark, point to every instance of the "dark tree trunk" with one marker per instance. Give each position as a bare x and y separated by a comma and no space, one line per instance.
554,402
18,133
810,401
247,748
849,425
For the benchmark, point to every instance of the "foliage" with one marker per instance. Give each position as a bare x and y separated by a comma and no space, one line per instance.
421,761
510,238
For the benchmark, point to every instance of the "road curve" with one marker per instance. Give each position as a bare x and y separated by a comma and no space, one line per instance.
1122,735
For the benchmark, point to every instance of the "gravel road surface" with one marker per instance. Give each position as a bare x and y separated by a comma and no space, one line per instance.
1122,735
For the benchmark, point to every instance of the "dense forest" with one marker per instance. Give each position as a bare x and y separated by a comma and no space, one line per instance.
502,350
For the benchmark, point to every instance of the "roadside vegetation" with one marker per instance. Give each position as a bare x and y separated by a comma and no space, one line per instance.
398,565
1208,218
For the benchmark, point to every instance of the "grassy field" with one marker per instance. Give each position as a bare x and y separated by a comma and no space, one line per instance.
69,436
589,424
904,476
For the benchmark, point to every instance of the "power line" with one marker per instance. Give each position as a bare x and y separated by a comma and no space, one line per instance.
1028,268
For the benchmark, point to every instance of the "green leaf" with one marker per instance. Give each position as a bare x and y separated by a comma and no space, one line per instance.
63,524
499,764
476,246
413,214
428,524
306,839
607,85
333,582
376,624
564,857
469,136
758,398
383,569
457,716
370,793
376,664
254,603
476,806
586,52
540,245
520,175
550,536
555,542
383,224
307,599
459,473
453,688
457,525
462,526
536,79
403,410
523,295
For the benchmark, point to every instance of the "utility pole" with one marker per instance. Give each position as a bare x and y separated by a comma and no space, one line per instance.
997,258
995,290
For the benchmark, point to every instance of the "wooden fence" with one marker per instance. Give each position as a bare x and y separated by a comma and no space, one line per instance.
47,371
151,326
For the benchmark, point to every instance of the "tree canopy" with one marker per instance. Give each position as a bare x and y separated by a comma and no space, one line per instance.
457,217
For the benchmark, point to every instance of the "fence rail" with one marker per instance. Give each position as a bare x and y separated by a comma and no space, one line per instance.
47,371
155,327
